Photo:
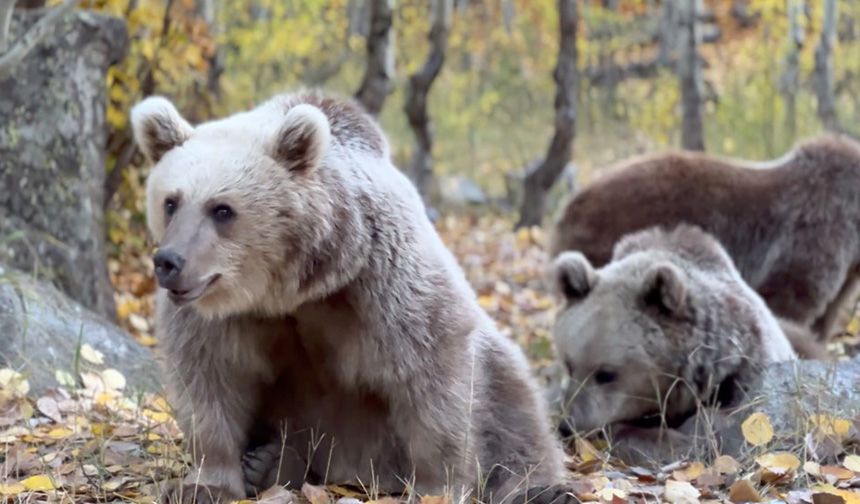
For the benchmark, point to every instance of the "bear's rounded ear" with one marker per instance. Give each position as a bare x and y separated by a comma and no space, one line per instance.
303,138
158,127
573,275
664,288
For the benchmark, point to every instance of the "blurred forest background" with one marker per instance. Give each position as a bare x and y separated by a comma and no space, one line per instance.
762,81
767,73
491,106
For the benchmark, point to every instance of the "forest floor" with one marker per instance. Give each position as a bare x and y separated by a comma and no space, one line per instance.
98,443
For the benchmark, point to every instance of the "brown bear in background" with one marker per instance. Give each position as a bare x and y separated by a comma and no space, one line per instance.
791,225
665,327
308,309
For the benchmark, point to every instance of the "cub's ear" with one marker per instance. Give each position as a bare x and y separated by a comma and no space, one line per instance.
664,288
303,138
158,127
573,275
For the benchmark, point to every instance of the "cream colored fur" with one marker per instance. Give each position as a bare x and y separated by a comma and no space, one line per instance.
336,315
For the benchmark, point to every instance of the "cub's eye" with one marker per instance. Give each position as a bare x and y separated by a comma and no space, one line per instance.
170,206
223,213
602,377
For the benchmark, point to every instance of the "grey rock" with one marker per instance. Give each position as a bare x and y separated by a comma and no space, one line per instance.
52,155
41,331
459,190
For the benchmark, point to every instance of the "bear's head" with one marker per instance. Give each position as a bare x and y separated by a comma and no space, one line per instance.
229,202
639,336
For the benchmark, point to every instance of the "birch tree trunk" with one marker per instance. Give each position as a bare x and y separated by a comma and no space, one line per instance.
542,177
376,85
824,68
421,165
791,75
690,77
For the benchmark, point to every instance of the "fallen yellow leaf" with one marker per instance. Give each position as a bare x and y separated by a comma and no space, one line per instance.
840,473
60,433
147,340
113,379
848,497
586,451
101,429
13,382
39,483
831,426
778,462
725,464
690,473
315,494
160,404
90,354
812,468
276,495
743,491
434,499
11,489
64,378
681,492
853,326
157,416
757,429
852,462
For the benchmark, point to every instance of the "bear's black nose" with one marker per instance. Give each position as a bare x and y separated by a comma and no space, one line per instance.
168,266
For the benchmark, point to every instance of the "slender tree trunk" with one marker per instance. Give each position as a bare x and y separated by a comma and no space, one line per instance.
207,10
540,180
690,77
421,166
824,68
668,33
791,75
376,85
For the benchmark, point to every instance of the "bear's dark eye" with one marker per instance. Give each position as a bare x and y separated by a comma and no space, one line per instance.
602,377
222,213
170,206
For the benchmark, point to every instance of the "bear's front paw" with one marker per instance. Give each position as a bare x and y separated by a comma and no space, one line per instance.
178,492
546,494
260,468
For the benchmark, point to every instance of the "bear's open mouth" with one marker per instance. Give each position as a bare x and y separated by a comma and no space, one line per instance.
181,297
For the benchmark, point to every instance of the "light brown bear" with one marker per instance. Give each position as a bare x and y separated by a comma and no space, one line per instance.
667,326
307,305
791,225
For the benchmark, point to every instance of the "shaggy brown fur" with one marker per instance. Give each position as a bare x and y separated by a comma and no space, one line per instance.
667,325
792,226
310,311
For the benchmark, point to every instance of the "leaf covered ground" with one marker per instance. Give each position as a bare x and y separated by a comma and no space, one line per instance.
91,440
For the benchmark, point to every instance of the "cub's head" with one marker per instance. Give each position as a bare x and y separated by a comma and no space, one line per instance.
229,201
620,334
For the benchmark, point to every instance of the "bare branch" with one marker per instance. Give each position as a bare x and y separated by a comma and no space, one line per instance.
376,85
6,8
33,36
542,176
416,96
